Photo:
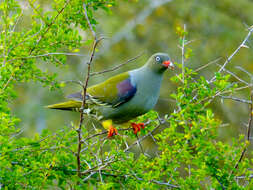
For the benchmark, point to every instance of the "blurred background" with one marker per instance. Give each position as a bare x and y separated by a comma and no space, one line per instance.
215,27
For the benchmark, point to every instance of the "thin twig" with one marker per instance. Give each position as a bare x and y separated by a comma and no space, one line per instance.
139,144
25,37
222,186
236,99
224,92
243,44
142,138
93,171
157,182
17,21
245,71
118,66
45,55
88,21
99,166
5,47
234,75
37,11
206,65
85,85
243,177
182,51
89,176
248,132
105,132
79,130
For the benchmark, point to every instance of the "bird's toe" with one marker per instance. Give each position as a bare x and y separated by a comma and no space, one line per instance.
137,127
112,131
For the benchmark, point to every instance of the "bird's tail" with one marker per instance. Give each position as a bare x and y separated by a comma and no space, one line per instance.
69,105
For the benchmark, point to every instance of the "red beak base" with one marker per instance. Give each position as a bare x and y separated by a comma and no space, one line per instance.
168,64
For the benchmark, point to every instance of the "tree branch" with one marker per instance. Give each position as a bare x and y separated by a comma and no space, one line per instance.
117,66
248,131
236,99
243,44
88,21
206,65
183,52
234,75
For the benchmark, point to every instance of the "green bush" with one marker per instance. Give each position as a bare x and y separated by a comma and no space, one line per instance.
188,152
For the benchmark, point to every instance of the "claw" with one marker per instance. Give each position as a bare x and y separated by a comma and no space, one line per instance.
137,127
112,131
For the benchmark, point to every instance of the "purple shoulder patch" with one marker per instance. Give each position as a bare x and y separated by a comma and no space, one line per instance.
126,90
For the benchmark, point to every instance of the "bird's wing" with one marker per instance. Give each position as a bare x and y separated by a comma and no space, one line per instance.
113,92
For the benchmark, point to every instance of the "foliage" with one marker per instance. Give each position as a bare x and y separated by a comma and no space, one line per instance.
188,153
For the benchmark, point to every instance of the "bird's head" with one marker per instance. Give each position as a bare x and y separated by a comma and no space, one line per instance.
159,62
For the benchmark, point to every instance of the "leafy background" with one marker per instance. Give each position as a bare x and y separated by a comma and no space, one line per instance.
197,145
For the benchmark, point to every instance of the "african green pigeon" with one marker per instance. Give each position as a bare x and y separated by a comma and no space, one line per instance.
124,96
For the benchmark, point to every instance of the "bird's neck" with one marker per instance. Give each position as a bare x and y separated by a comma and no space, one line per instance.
146,69
148,85
151,80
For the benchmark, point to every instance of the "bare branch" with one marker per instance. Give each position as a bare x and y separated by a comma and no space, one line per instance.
89,176
222,186
206,65
139,144
243,44
243,177
88,21
244,70
234,75
5,46
85,85
76,82
93,171
157,182
46,54
183,52
219,93
248,131
142,138
236,99
118,66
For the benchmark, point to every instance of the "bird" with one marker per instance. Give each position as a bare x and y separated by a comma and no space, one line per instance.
122,97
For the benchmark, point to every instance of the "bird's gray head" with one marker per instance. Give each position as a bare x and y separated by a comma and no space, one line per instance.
159,62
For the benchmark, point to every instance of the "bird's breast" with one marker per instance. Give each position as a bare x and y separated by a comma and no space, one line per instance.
145,98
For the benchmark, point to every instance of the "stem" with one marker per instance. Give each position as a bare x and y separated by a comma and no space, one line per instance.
183,56
84,86
248,131
243,44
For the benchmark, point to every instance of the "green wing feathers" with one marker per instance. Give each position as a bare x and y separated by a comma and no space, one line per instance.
108,93
112,92
69,105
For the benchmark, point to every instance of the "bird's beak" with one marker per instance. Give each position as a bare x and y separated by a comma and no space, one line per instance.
168,64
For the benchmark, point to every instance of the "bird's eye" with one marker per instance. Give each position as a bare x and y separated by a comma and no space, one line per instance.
157,59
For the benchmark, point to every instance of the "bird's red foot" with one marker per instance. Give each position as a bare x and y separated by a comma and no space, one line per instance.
112,131
137,127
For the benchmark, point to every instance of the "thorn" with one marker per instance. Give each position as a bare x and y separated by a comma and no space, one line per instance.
244,46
